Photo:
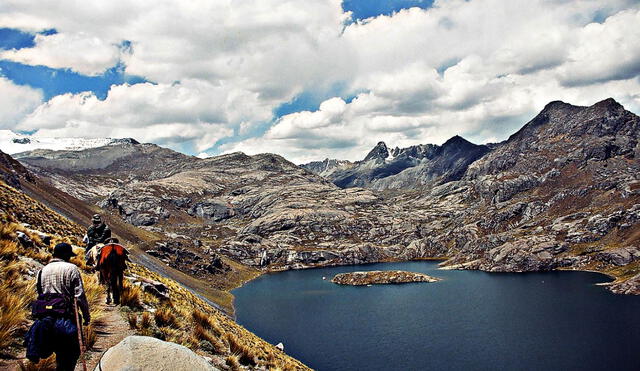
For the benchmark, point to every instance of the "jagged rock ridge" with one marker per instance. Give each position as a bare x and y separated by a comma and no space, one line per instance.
402,168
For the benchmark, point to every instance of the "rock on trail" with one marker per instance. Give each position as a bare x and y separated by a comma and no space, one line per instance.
147,353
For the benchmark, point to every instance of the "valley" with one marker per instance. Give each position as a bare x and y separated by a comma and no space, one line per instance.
561,193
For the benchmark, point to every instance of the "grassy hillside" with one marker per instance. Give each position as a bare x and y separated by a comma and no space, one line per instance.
182,318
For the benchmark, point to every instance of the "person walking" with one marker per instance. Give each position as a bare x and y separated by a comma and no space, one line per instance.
99,232
55,329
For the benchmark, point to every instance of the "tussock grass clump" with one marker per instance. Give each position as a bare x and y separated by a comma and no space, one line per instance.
132,319
233,362
8,250
47,364
8,230
145,321
207,322
164,317
13,314
214,345
207,330
131,296
245,354
90,336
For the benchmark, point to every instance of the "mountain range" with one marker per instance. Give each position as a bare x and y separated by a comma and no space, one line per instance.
403,168
561,193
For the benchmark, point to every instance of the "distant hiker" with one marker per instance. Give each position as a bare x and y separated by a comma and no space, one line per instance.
98,233
54,330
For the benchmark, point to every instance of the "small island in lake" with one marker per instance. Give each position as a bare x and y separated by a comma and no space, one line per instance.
381,278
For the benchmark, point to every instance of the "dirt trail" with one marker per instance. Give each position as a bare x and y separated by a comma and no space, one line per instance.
110,331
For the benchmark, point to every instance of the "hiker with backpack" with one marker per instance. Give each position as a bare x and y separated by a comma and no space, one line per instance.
56,326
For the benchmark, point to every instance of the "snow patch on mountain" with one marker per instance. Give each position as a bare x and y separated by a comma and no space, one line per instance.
12,143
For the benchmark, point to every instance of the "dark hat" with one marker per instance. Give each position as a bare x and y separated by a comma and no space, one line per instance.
96,218
63,250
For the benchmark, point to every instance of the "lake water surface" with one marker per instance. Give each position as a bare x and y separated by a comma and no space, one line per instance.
469,321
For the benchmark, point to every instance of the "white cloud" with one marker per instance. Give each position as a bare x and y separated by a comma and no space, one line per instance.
477,68
193,111
607,51
84,53
16,102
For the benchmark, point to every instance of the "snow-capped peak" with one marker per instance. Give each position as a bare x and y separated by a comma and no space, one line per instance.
13,143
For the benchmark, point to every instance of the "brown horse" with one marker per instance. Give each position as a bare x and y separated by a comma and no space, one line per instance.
111,265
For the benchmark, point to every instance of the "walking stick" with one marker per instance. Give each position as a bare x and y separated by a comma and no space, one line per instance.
80,340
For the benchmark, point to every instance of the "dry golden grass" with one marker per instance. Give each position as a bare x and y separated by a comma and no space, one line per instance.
164,317
145,321
211,344
8,250
90,336
13,314
233,362
132,319
94,292
131,296
208,330
246,355
201,318
47,364
37,215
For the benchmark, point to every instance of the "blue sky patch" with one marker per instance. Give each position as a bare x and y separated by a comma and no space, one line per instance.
56,81
15,39
49,32
363,9
11,38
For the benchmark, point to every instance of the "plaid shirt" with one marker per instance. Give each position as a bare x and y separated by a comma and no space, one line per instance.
61,277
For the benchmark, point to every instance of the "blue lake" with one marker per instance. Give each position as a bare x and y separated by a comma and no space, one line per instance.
469,321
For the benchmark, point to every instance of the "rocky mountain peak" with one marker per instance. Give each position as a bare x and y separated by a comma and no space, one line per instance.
457,142
563,134
417,151
609,103
556,105
380,151
124,141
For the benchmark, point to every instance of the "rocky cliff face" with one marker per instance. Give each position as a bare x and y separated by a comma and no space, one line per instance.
561,193
406,168
327,167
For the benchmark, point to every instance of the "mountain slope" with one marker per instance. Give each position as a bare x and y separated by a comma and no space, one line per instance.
404,168
562,193
180,317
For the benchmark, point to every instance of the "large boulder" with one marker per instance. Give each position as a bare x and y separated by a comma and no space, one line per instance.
139,353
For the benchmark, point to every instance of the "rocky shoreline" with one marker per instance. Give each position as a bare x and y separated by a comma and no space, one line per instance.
381,278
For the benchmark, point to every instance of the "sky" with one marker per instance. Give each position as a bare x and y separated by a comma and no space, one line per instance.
309,79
